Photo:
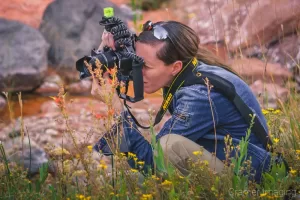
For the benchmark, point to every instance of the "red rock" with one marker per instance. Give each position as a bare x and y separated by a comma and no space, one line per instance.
254,69
269,93
29,12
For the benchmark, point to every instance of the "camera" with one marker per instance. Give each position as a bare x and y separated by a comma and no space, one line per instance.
129,65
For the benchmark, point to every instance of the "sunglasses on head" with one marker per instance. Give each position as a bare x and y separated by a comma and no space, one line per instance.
159,32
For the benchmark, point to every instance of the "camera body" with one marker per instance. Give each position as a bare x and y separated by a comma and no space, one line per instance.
129,65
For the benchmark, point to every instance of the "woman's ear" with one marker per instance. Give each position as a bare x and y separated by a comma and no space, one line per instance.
176,67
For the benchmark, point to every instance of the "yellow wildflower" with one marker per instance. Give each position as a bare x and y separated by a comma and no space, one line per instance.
134,170
292,171
298,151
154,177
131,155
90,148
147,196
196,153
265,111
102,166
166,183
141,162
276,140
80,196
123,154
277,111
263,194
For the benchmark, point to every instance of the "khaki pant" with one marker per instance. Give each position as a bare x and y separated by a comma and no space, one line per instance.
179,149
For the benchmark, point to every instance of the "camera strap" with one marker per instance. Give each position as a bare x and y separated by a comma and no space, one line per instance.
189,76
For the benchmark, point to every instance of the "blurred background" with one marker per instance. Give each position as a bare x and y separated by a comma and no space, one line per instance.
40,41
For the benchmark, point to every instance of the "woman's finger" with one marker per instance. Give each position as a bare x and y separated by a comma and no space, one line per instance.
103,37
108,40
111,42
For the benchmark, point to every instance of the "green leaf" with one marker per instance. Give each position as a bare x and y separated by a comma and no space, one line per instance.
172,194
37,186
235,182
268,181
53,192
278,171
159,159
43,172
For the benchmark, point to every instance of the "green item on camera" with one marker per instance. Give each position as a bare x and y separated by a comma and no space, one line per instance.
108,12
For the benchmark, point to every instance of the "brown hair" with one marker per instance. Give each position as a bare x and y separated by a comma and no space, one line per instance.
183,44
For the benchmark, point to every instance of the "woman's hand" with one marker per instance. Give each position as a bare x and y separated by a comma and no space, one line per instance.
107,40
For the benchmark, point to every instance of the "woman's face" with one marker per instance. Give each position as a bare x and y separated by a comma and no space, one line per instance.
156,74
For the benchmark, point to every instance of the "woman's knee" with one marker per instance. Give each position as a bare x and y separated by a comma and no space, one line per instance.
178,149
177,142
171,142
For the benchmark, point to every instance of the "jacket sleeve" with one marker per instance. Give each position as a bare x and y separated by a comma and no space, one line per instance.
137,144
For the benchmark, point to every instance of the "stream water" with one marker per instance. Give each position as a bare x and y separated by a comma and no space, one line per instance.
31,106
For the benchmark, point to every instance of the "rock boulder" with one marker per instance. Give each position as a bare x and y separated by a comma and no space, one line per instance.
254,69
23,56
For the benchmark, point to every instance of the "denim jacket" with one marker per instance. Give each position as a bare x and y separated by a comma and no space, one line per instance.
191,116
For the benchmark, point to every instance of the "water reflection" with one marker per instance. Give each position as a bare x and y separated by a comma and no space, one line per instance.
31,106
